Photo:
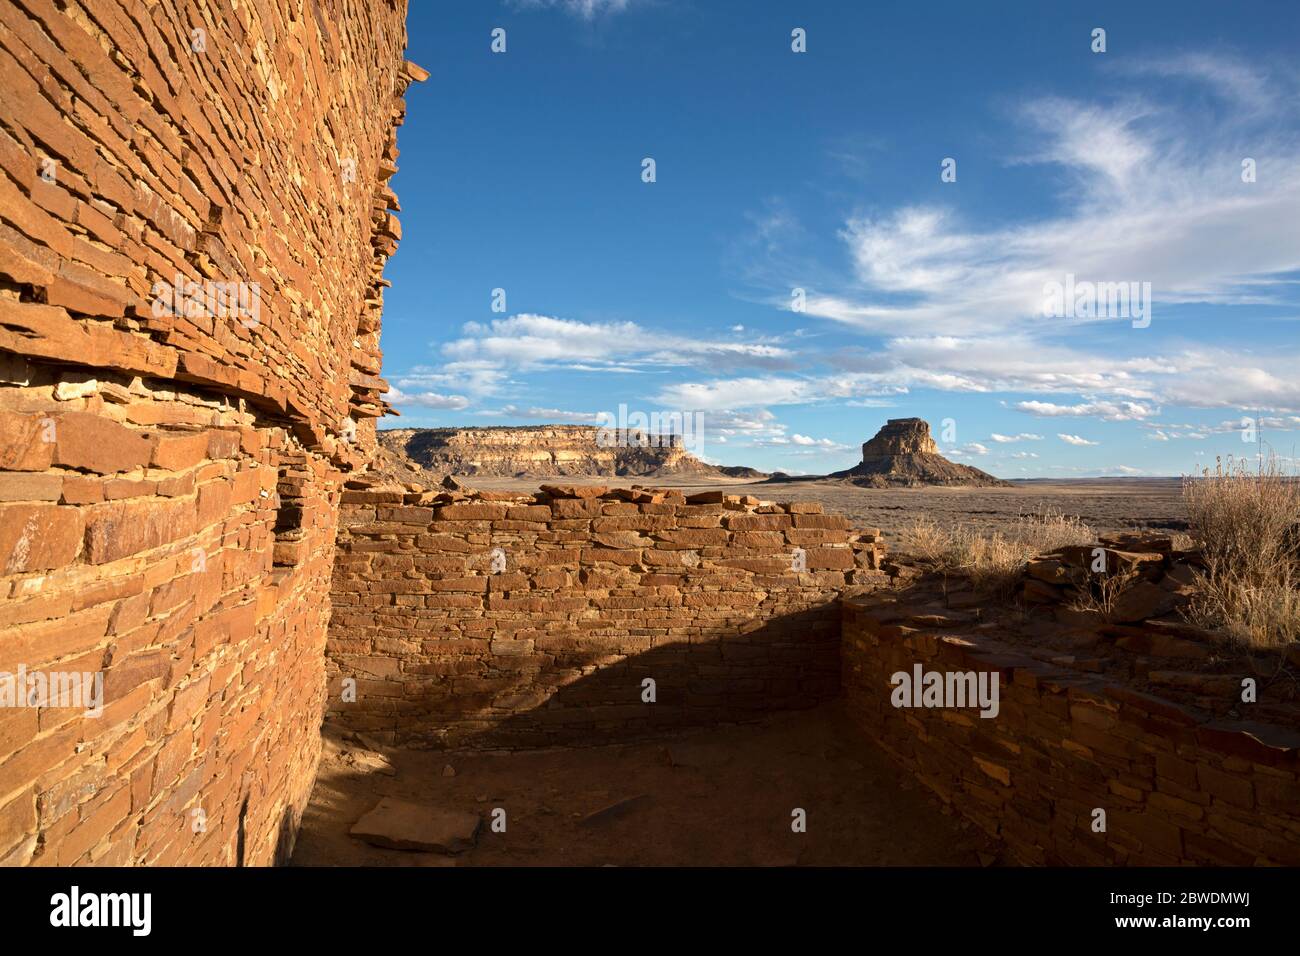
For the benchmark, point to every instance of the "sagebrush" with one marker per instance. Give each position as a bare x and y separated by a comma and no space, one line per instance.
1246,524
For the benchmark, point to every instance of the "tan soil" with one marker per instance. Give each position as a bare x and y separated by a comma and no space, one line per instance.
729,806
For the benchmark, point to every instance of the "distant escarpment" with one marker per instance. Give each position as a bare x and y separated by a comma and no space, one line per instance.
903,455
549,451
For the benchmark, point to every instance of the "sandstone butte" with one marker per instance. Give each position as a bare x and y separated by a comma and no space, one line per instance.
194,221
902,454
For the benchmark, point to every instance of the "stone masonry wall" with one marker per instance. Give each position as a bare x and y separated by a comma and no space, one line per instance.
1175,786
591,592
170,463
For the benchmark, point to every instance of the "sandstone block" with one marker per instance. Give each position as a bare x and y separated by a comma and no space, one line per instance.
38,537
401,825
94,443
121,528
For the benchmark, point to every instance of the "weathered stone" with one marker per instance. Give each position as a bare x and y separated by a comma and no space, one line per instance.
1068,739
401,825
1140,601
38,537
93,443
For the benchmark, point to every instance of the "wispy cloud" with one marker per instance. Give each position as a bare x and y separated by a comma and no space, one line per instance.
1155,196
529,341
427,399
586,9
1106,411
540,414
1153,193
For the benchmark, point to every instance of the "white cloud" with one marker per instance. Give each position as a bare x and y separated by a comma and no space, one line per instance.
1154,198
818,442
1239,83
540,414
1106,411
1007,439
528,342
532,339
1075,440
739,393
1151,193
426,399
729,422
473,378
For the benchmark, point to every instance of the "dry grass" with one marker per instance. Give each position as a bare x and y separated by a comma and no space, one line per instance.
1101,592
1247,526
994,562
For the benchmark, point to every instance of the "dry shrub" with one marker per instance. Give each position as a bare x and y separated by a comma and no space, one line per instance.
1101,591
1246,525
994,562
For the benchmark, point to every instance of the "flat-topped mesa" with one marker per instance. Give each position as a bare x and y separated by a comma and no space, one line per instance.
546,451
903,453
901,436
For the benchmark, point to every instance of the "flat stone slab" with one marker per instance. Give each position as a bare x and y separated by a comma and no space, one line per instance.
401,825
368,761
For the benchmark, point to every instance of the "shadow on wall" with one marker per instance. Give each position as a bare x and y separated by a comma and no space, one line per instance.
581,696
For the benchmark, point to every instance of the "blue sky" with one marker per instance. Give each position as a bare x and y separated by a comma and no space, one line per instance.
821,171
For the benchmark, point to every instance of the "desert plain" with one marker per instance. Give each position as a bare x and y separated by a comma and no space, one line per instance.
1104,504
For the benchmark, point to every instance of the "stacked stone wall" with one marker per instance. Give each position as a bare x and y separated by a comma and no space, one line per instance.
521,621
194,218
1173,786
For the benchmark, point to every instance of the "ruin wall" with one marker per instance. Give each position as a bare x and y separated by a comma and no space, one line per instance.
496,620
1176,787
194,217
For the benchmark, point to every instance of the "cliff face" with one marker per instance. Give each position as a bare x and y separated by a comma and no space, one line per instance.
904,453
542,451
900,436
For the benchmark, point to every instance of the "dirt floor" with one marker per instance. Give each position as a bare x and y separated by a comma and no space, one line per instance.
720,797
1105,504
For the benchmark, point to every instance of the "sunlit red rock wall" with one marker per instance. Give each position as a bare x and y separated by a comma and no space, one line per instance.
169,478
